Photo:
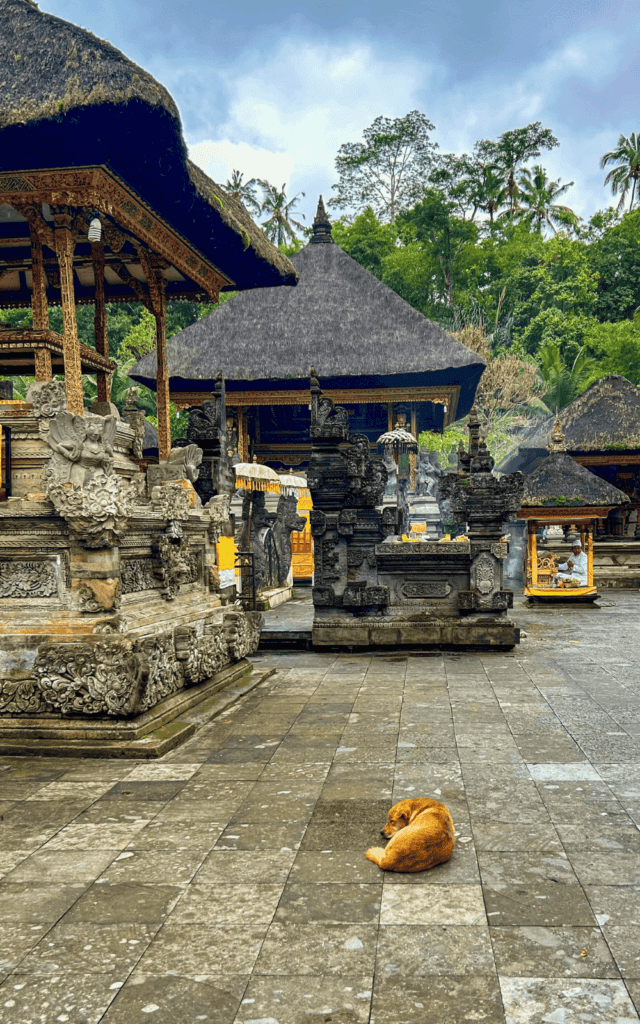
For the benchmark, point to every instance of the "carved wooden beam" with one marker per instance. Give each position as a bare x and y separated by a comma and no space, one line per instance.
138,287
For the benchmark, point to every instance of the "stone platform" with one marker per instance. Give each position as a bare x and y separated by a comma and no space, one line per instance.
149,735
227,881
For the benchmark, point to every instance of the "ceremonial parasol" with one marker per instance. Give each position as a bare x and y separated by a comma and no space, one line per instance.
291,484
400,441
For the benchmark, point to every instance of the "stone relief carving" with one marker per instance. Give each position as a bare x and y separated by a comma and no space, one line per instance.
97,513
138,574
171,501
118,677
95,503
163,674
20,579
47,398
242,631
99,595
484,570
178,563
425,589
182,464
79,678
82,447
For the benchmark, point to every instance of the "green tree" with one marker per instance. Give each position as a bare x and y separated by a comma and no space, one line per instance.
367,241
388,170
537,201
514,148
614,257
564,382
279,226
626,175
449,239
245,191
616,346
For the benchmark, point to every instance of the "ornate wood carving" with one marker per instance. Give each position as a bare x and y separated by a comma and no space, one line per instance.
99,188
65,244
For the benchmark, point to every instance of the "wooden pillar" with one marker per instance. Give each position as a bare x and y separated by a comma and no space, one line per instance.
390,423
162,378
103,379
533,548
589,528
39,304
65,245
39,307
243,448
42,359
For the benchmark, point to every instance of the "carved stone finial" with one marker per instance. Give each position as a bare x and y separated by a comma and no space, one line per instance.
482,462
48,398
321,224
556,439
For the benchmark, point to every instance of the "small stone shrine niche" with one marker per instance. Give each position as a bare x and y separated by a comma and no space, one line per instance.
370,587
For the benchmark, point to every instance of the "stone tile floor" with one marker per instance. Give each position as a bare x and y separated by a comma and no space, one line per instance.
227,883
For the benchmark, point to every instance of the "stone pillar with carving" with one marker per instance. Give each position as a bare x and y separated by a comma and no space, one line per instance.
485,503
346,484
208,429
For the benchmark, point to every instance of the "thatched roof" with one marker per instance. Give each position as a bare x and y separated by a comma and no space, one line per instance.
561,482
605,417
340,319
70,99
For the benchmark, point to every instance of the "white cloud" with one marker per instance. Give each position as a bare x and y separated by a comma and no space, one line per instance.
289,112
288,117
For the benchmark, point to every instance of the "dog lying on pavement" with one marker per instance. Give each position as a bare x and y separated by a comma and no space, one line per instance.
420,834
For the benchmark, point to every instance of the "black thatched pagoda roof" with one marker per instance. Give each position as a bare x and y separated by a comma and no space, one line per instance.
340,319
69,99
605,417
560,482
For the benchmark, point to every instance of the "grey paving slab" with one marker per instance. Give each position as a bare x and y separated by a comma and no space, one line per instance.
227,881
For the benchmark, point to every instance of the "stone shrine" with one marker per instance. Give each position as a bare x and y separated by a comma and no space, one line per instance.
373,589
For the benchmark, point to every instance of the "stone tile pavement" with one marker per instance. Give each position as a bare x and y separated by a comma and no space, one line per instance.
226,883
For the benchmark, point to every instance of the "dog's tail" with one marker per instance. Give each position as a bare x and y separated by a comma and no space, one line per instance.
375,853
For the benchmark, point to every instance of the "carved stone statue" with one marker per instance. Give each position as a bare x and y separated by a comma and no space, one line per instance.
392,474
427,473
82,446
182,464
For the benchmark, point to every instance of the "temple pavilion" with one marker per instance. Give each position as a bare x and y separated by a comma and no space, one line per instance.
377,356
601,430
100,203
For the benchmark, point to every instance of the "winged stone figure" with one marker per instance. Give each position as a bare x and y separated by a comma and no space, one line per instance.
82,446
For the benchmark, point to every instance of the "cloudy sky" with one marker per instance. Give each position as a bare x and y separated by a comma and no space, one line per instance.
274,88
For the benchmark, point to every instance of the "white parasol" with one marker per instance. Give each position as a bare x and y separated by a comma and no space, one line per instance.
253,476
291,484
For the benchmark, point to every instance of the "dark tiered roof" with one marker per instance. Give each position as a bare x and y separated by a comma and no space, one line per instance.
340,319
69,99
560,482
605,417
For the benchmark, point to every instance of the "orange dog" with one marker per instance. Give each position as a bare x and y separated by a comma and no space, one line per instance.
421,835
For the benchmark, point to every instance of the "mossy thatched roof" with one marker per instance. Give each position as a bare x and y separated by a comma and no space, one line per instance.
70,99
559,481
605,417
340,319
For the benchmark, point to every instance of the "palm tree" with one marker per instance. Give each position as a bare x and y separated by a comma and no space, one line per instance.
627,174
493,190
244,191
279,227
537,197
563,383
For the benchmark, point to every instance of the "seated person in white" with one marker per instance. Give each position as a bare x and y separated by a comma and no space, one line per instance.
575,567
